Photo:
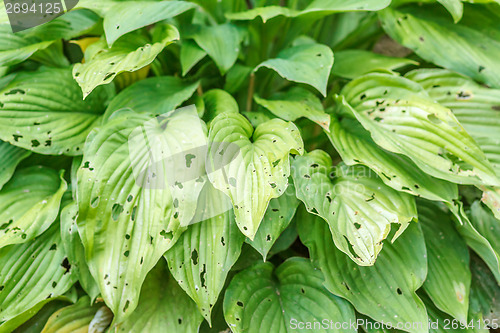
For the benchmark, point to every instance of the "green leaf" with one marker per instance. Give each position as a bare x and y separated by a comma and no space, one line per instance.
10,157
485,291
455,7
296,103
259,164
374,290
465,48
29,204
357,205
318,8
124,17
157,95
128,217
43,111
279,214
491,198
265,298
355,146
308,63
17,47
163,306
206,251
190,55
129,54
350,64
218,101
236,77
448,277
73,318
74,250
33,272
403,120
39,317
220,42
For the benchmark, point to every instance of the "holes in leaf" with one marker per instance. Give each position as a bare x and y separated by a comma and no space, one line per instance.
1,288
179,321
302,290
275,163
127,303
48,143
54,284
222,241
165,234
194,257
240,304
65,264
108,76
268,238
94,202
481,68
53,247
433,118
179,185
189,160
399,291
464,95
130,198
35,143
134,211
346,286
176,203
15,91
116,211
17,137
202,276
496,107
126,253
357,225
273,185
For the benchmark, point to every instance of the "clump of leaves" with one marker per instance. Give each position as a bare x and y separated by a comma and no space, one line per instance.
251,166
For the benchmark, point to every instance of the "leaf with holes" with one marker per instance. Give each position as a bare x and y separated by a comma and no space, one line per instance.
163,305
251,166
206,251
373,292
129,54
402,119
42,111
294,104
357,205
265,298
29,204
308,63
33,272
279,214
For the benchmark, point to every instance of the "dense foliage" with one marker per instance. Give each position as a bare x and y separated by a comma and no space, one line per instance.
251,166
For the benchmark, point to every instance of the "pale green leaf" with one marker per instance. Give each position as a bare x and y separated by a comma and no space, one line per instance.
75,318
448,278
355,146
10,157
43,111
218,101
206,251
308,63
278,216
467,49
190,55
491,198
33,272
258,167
403,120
130,209
385,291
129,54
29,204
353,63
124,17
263,298
163,307
296,103
221,43
357,205
155,95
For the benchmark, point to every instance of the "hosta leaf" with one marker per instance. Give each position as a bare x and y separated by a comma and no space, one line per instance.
75,318
17,47
491,198
459,47
10,157
448,277
294,104
37,321
157,95
265,298
357,205
33,272
74,250
454,7
163,306
129,54
221,43
316,7
29,204
259,164
190,55
43,111
403,120
206,251
127,215
218,101
374,290
355,146
125,17
278,216
353,63
485,291
308,63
